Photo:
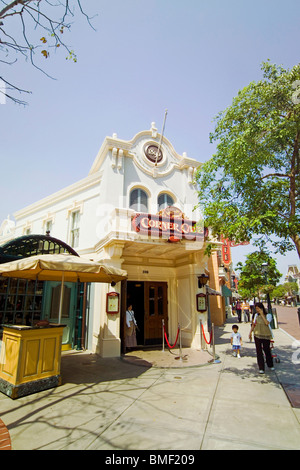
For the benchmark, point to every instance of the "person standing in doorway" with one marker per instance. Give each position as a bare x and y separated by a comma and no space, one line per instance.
131,325
262,337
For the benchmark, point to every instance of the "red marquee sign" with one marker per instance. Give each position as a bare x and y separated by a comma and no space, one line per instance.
174,226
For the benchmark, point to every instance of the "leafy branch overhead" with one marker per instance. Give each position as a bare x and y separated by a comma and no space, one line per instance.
250,187
41,27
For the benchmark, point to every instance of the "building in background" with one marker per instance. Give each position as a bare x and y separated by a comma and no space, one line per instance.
293,275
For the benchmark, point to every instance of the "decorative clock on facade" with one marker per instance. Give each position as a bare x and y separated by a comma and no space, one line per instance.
153,153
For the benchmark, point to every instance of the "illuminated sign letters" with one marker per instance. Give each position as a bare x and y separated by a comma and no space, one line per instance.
160,225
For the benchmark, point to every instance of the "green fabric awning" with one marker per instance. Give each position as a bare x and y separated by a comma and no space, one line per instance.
226,292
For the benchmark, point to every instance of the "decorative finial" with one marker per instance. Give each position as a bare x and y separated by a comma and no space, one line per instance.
153,130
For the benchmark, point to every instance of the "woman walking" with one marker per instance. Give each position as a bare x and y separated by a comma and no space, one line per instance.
262,337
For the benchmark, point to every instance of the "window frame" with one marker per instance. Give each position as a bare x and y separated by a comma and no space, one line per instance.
141,207
75,228
166,196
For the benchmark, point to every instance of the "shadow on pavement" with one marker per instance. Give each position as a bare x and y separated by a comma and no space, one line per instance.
81,367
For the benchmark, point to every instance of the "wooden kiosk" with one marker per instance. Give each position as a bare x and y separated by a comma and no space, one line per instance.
30,359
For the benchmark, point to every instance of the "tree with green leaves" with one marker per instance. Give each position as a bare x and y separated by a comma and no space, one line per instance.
250,188
279,292
41,28
291,288
253,278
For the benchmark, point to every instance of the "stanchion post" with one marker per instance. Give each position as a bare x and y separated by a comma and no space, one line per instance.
215,361
201,335
163,335
213,340
180,350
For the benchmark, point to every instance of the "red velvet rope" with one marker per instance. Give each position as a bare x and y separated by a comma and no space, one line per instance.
207,342
171,347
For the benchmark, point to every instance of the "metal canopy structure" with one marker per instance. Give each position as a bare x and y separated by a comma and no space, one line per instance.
32,245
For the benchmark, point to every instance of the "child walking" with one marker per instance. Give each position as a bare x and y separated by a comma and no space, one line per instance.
236,341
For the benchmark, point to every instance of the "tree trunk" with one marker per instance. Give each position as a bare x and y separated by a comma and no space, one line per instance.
296,240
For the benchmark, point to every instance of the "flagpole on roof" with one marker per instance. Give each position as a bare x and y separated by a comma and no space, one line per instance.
161,137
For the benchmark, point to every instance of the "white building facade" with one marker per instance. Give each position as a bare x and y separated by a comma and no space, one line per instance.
135,210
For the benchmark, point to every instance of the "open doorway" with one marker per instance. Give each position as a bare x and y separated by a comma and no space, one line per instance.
135,296
150,305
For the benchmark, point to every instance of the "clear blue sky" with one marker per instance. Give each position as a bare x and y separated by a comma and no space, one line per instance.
190,57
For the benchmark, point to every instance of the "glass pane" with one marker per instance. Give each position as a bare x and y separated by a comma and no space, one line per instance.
164,200
30,288
160,300
75,219
3,285
55,301
75,238
39,287
151,301
139,200
133,199
20,303
22,286
49,226
29,303
13,286
143,201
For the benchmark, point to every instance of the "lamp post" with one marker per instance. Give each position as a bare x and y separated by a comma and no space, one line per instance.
202,281
264,270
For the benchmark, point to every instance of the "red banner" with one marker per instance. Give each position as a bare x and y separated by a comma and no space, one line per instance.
226,251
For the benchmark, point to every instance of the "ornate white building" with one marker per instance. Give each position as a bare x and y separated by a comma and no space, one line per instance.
135,209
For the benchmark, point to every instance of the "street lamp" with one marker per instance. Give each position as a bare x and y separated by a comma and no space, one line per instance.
264,270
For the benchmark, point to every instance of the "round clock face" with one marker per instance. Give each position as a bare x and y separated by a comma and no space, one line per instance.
153,153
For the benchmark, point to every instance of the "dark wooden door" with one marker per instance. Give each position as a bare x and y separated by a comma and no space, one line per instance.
156,310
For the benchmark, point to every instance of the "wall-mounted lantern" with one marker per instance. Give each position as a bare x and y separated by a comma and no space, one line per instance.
202,280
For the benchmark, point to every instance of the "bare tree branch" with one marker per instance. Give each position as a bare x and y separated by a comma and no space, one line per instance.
36,15
12,5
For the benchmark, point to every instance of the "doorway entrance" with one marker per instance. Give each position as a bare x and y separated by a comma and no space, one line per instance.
51,309
150,305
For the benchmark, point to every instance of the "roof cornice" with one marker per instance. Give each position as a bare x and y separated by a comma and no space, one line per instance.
71,190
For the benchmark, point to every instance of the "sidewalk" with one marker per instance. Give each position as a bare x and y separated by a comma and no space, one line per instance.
114,404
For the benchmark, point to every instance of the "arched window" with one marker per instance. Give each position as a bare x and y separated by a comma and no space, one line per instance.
163,201
138,200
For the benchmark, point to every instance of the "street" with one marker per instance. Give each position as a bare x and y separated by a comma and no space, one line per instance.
288,320
109,404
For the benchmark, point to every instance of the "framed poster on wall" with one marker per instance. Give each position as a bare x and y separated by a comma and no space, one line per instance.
201,302
112,302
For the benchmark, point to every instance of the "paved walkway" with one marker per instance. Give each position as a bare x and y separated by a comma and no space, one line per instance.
288,320
114,404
